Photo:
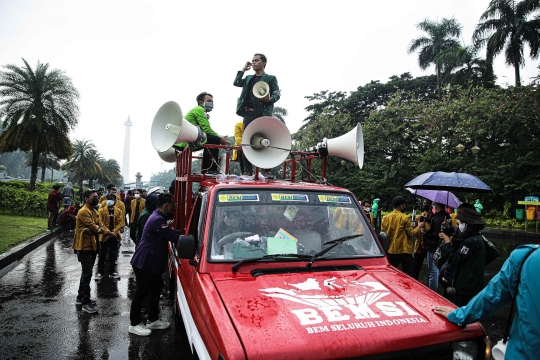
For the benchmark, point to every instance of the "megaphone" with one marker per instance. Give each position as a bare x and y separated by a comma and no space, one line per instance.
168,155
349,146
261,89
270,142
169,128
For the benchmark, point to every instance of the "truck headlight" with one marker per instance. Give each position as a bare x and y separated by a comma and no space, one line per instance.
464,350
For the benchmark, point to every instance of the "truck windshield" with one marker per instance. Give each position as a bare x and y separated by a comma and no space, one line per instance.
252,224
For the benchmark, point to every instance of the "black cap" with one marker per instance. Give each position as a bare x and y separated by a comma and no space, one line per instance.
399,200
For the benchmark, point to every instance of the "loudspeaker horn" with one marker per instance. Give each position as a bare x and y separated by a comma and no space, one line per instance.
168,155
349,146
261,89
169,128
270,142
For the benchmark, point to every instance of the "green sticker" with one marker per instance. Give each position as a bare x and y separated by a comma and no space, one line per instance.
334,199
289,197
238,197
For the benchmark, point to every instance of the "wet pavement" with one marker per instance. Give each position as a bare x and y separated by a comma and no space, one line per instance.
41,321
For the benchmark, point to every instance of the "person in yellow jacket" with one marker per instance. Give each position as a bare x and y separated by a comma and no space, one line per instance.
113,222
87,228
238,155
111,189
137,207
399,229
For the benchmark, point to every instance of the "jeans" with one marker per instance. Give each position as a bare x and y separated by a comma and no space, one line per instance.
87,260
406,261
67,201
108,248
148,286
433,279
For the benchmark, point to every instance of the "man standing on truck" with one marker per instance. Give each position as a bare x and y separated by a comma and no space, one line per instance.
399,229
149,263
248,105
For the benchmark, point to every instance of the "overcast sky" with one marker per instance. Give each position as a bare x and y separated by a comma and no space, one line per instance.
127,58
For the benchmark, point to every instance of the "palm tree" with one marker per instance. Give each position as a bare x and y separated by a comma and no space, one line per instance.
441,36
38,108
82,163
280,113
461,65
45,161
510,24
110,172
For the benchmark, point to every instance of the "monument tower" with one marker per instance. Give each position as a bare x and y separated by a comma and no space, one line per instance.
125,161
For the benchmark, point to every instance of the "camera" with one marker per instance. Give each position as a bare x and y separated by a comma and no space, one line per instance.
447,229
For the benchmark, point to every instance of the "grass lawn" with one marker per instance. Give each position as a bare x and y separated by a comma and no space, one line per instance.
16,229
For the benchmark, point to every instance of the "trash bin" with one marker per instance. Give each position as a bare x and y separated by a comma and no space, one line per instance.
530,214
520,214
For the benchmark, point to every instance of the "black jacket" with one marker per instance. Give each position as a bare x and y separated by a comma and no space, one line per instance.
431,238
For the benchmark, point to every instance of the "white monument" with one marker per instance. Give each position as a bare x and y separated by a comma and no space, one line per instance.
125,161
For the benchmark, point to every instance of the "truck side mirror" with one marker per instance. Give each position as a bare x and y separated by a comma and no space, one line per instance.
187,247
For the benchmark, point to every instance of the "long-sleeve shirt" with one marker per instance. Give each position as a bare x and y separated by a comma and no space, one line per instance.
196,116
398,227
524,341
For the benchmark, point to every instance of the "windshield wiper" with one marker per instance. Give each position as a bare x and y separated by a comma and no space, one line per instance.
267,257
334,243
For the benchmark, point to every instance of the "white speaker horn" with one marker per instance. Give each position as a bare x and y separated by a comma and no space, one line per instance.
169,128
270,140
349,146
261,89
168,155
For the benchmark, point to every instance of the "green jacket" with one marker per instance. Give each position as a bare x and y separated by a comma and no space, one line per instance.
196,116
271,80
470,257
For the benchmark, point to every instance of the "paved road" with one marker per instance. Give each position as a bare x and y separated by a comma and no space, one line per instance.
41,321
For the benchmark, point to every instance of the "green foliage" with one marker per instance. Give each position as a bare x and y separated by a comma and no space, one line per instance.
15,200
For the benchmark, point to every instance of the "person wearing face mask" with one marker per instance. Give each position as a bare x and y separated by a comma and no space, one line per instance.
420,246
367,210
199,116
85,244
399,230
466,251
137,206
248,105
149,263
111,189
432,240
113,222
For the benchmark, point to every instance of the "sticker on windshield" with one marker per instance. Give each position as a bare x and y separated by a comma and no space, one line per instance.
289,197
334,199
238,197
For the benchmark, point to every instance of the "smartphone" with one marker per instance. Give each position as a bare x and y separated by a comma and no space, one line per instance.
422,219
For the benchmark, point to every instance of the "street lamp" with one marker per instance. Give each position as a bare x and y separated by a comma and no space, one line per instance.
460,148
475,149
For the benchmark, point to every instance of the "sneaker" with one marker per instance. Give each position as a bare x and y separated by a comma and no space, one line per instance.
89,308
80,302
114,275
98,276
157,325
140,330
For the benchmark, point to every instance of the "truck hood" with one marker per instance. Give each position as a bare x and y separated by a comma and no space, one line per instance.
321,315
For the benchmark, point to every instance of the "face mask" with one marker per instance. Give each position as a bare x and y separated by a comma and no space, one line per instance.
208,106
110,202
137,196
95,201
462,227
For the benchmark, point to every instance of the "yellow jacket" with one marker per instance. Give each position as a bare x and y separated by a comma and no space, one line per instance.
398,227
119,222
238,132
133,209
119,203
86,218
419,246
454,220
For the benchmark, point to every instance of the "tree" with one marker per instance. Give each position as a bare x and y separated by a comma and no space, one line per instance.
280,113
45,161
82,162
441,36
38,108
462,66
510,24
110,172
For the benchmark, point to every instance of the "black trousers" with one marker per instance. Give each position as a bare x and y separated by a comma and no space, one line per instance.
240,158
418,261
406,261
148,286
108,248
87,260
248,167
209,154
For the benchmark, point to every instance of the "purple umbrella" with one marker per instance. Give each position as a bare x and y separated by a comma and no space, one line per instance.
439,196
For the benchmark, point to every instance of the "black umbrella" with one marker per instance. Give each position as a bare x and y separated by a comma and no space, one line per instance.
450,182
